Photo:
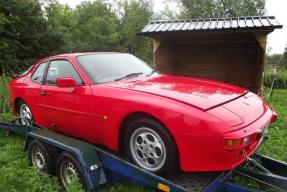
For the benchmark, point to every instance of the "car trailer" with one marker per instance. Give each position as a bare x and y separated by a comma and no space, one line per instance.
97,166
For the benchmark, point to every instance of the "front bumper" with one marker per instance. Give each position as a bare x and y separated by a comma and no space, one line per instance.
207,153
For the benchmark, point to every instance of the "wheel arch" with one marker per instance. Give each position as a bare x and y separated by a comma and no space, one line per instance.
56,150
137,115
16,102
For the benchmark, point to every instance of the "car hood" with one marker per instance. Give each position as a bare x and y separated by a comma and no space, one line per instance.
202,94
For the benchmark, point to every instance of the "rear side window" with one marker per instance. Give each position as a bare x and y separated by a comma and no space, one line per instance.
39,73
62,68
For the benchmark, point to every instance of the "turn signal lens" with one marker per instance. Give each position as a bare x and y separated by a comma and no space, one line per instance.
163,187
274,117
237,143
232,142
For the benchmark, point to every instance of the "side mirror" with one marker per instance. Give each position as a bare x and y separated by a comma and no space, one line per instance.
66,82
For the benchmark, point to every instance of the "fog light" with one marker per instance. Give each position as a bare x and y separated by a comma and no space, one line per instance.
246,140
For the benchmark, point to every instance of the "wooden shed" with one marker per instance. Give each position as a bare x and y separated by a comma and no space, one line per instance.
230,50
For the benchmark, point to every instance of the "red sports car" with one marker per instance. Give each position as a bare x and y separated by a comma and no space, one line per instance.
161,122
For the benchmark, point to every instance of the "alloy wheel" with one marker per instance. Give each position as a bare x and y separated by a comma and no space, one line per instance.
148,149
25,115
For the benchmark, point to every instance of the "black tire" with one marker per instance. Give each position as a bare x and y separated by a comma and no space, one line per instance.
18,108
63,159
171,161
39,157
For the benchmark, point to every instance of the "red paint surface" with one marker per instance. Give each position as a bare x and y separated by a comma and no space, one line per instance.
198,113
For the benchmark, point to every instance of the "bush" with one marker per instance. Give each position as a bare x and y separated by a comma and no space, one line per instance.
280,81
5,109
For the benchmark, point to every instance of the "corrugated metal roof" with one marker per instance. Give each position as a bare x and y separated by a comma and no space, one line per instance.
212,24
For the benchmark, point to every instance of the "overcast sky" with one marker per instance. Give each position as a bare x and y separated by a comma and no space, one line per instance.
277,40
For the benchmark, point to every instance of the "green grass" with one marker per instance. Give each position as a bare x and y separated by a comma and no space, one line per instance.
280,78
17,175
276,146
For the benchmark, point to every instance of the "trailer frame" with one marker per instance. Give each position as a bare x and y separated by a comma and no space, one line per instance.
101,166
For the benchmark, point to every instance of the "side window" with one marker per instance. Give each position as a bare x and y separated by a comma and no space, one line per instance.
62,68
39,73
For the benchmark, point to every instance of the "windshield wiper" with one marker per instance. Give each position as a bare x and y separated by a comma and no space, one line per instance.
129,75
151,73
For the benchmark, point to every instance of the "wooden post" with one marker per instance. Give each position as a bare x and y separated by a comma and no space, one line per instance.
259,68
156,45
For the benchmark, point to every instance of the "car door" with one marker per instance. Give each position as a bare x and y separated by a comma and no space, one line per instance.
67,110
31,92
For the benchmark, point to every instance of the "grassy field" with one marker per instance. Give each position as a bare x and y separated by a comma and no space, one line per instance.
276,146
17,175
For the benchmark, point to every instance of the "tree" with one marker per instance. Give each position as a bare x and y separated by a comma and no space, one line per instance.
136,15
32,29
221,8
60,23
165,14
95,28
22,34
274,59
285,56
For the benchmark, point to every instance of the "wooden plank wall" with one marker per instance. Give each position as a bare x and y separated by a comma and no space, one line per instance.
236,58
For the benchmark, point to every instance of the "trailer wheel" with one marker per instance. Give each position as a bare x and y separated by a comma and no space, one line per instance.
68,170
39,157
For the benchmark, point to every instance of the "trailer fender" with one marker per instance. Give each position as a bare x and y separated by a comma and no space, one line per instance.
85,154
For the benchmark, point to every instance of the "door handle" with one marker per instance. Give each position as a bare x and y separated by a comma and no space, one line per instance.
44,93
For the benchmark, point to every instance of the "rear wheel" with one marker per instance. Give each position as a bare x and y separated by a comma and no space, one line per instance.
25,113
39,157
150,146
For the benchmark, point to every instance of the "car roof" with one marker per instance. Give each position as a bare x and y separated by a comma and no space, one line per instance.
76,54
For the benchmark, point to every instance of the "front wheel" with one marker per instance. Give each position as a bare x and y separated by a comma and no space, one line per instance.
151,147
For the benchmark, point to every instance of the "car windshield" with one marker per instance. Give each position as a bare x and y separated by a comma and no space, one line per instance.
109,67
